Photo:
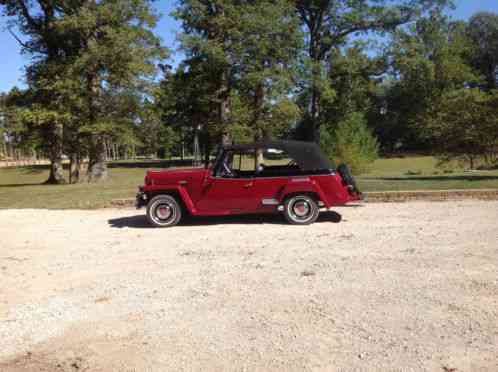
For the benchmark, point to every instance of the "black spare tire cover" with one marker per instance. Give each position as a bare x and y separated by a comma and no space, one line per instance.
346,175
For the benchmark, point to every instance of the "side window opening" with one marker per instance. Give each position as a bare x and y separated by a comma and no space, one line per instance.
273,162
237,164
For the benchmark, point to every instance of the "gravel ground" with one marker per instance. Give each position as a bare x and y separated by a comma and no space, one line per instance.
410,286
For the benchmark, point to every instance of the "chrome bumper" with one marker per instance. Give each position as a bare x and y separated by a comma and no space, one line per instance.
140,200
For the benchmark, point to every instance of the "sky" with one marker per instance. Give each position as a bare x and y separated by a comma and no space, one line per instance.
12,62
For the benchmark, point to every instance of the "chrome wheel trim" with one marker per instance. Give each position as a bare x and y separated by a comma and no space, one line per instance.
163,212
300,210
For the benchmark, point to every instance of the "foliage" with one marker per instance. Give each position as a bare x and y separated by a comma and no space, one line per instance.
101,54
253,69
351,143
483,31
241,59
465,125
328,26
428,59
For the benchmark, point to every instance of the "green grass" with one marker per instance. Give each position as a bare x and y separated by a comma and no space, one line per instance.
423,173
22,187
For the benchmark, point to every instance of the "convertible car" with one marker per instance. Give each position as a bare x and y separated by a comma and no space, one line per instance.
289,177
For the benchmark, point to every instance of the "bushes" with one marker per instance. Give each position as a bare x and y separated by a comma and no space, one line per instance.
351,142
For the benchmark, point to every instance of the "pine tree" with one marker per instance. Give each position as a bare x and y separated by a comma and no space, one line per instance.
83,54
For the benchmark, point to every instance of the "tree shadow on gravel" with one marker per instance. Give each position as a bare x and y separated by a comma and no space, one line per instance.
140,221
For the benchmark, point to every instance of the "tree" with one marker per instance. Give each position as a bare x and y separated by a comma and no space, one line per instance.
210,27
36,20
240,57
483,31
428,59
328,25
116,52
184,102
351,143
354,77
464,125
3,126
95,49
270,42
344,130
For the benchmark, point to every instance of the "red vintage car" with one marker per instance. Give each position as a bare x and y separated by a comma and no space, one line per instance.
270,177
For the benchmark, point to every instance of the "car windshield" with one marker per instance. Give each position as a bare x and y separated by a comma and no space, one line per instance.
215,157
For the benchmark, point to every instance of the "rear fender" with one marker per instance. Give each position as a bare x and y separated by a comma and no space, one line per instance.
303,185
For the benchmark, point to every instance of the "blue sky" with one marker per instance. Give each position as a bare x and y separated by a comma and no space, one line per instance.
12,62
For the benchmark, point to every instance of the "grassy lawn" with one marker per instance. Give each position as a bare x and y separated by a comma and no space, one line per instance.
423,173
22,187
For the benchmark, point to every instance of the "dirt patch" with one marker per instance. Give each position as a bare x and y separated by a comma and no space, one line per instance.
409,286
43,363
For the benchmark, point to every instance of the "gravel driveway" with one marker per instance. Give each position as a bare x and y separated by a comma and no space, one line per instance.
409,286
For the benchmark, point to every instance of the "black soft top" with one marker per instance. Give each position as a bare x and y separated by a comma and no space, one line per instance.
308,155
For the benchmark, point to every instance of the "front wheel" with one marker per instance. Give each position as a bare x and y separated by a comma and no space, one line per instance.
301,210
163,211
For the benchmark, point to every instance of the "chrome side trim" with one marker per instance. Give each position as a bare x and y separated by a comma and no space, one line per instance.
270,201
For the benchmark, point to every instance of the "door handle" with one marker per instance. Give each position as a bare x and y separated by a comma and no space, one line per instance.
247,185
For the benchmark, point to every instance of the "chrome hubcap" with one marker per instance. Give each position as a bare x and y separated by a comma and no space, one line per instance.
163,211
301,208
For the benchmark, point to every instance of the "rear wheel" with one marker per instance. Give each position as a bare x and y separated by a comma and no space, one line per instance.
164,211
301,210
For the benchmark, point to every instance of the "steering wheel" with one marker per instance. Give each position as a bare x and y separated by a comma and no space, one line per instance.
227,172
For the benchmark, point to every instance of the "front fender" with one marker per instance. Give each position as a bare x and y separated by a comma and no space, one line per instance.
175,189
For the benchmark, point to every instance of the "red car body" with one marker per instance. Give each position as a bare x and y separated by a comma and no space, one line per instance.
206,192
203,194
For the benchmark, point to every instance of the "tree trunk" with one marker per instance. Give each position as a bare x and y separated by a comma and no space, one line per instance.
491,76
74,168
313,132
56,172
197,149
224,109
182,150
55,153
312,126
97,167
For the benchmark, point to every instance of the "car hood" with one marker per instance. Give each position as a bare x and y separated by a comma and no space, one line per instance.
169,176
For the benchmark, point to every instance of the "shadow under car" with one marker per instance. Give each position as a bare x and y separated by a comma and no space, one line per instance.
140,221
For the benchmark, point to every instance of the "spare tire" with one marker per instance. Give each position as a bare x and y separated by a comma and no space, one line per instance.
347,177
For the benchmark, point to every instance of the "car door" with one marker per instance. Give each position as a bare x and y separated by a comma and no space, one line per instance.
225,195
230,193
275,173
